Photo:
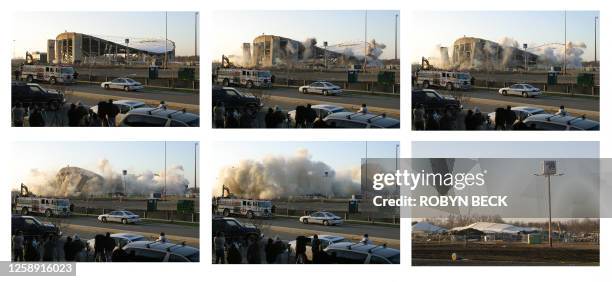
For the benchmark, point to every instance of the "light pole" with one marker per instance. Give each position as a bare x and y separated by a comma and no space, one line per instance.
127,51
195,165
548,169
365,43
396,162
525,55
196,36
596,18
565,42
124,183
396,16
165,169
166,44
325,57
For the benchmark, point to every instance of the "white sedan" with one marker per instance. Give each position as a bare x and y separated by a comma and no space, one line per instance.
121,239
321,87
122,216
322,111
521,89
325,218
124,107
122,83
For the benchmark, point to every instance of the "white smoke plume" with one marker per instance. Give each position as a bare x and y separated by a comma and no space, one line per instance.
78,182
279,176
553,54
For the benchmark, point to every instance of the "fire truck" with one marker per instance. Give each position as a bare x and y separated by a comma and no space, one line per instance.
230,205
248,78
28,203
428,76
48,73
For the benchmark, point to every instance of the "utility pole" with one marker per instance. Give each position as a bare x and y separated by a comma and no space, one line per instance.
549,168
525,55
166,45
396,16
195,165
365,43
165,170
596,18
196,35
396,163
565,42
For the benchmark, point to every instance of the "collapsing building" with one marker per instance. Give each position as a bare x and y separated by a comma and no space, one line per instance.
272,50
77,48
481,54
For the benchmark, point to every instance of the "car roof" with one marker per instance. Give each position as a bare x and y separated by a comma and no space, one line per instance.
327,107
579,122
128,102
330,237
527,109
126,235
379,120
380,250
166,113
180,249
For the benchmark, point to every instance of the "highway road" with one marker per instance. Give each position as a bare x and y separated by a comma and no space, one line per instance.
289,228
87,227
289,98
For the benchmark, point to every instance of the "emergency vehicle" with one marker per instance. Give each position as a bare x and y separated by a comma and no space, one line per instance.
230,205
28,203
450,80
48,73
248,78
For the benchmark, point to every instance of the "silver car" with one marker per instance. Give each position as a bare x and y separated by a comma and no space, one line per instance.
122,216
326,241
121,239
122,83
321,87
322,217
521,113
521,89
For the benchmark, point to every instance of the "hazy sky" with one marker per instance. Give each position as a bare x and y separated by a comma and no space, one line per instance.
338,155
532,27
32,29
134,156
331,26
505,149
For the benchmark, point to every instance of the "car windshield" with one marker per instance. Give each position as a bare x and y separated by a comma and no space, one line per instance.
265,204
129,213
130,80
463,76
527,86
67,70
63,202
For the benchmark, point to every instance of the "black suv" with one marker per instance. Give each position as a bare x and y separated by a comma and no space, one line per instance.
32,93
431,100
32,227
234,230
233,99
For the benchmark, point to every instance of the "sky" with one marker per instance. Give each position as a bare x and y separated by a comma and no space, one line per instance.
505,149
331,26
532,27
32,34
339,155
133,156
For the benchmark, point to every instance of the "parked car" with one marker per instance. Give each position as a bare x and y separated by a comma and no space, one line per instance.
155,251
159,117
521,89
32,227
322,111
121,239
321,217
321,87
234,230
234,99
560,122
31,93
432,100
360,253
124,107
360,120
326,241
521,112
122,83
122,216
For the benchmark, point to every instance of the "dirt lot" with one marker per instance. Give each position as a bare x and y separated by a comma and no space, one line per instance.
504,253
